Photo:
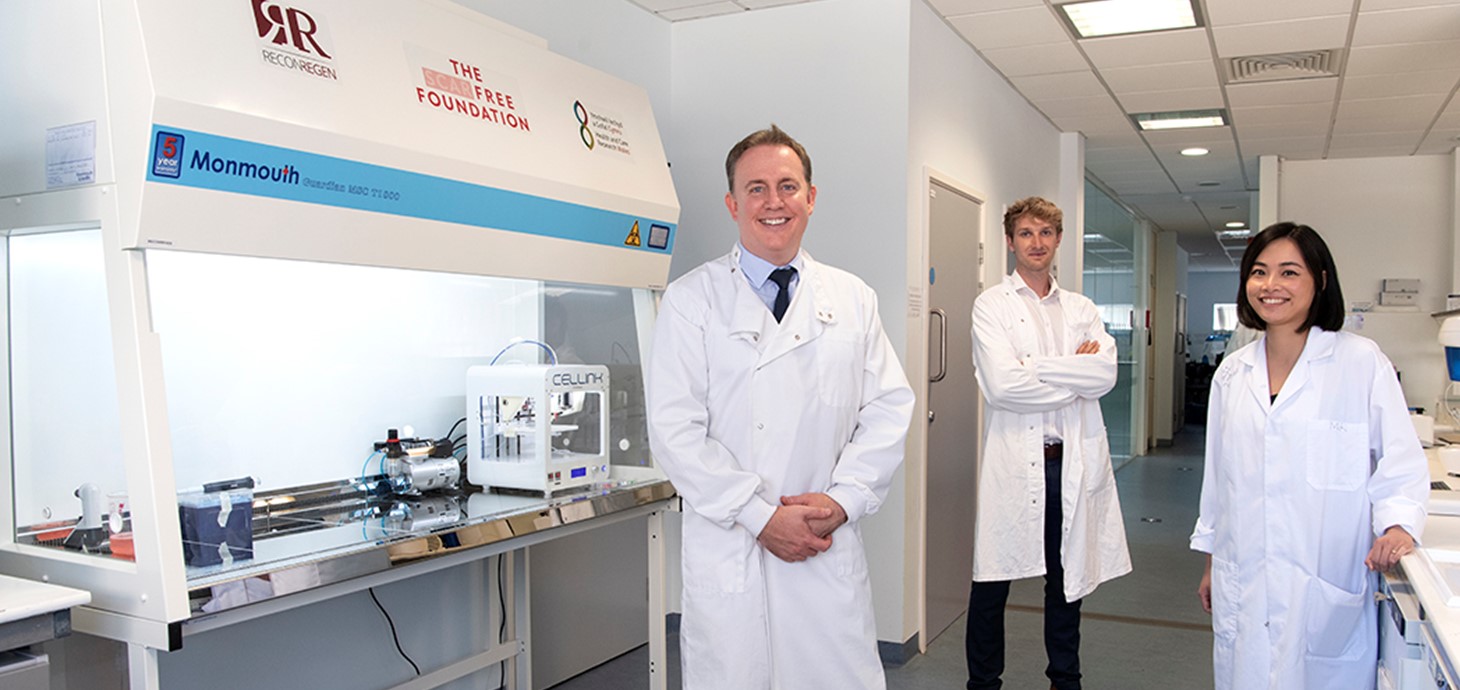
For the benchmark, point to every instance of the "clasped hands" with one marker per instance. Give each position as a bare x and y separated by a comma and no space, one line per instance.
801,527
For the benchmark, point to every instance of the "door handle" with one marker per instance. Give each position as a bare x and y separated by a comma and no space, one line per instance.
942,345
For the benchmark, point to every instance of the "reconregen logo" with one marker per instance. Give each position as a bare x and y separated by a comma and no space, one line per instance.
204,160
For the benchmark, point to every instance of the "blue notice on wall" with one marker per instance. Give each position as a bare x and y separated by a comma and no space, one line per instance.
243,167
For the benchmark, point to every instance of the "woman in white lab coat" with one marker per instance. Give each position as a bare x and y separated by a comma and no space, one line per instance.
1314,478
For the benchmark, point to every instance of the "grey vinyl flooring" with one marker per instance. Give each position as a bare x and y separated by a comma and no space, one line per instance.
1139,632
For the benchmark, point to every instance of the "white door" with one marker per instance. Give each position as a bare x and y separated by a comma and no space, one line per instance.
955,229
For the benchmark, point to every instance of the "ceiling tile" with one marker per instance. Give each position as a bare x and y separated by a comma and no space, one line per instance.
1043,58
1440,141
661,5
1450,118
1064,85
1300,112
1008,28
1395,122
1125,154
1160,77
1282,128
1179,99
1371,5
1315,33
1093,124
1369,151
763,4
1400,59
1282,92
1093,106
1148,49
1127,172
700,11
1228,12
1386,85
1124,188
1437,23
952,8
1114,142
1218,154
1285,146
1228,180
1427,104
1407,140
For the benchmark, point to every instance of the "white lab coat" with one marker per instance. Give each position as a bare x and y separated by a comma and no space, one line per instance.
1019,386
742,411
1293,494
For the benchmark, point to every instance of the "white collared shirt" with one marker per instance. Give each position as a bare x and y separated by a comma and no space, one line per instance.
1048,317
757,272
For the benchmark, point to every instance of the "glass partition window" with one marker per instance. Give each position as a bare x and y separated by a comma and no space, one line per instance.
1114,263
70,485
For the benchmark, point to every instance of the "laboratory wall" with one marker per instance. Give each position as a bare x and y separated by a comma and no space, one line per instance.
1385,218
1206,289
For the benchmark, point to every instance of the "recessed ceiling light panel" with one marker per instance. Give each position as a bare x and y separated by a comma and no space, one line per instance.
1236,224
1181,119
1096,18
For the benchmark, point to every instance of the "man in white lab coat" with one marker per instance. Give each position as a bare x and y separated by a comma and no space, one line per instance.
778,409
1046,502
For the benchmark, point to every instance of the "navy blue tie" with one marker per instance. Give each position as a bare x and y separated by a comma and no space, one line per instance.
782,278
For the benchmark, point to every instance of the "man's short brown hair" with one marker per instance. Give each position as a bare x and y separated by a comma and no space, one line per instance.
765,137
1038,207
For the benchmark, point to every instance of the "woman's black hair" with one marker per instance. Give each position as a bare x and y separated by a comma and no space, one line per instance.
1327,309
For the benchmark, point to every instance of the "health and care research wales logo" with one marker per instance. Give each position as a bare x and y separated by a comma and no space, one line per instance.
293,40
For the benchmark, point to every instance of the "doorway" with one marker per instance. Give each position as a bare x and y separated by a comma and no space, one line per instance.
955,258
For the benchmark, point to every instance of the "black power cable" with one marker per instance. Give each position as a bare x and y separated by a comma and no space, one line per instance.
502,627
393,633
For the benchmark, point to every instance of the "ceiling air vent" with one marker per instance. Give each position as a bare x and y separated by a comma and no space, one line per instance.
1281,66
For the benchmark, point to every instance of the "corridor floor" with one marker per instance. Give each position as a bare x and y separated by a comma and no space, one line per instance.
1142,631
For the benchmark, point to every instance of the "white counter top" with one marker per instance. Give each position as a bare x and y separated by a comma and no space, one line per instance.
1433,572
21,599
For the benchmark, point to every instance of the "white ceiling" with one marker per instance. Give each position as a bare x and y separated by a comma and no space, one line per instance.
680,10
1397,74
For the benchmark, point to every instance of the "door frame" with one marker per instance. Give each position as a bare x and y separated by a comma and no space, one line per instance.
918,322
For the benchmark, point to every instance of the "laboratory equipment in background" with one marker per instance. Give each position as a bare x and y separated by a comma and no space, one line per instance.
88,535
1399,292
217,523
414,465
423,513
1450,340
539,428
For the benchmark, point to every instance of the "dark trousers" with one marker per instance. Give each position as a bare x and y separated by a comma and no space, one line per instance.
985,640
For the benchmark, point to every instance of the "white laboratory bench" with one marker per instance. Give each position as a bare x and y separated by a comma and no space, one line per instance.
1419,638
32,613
